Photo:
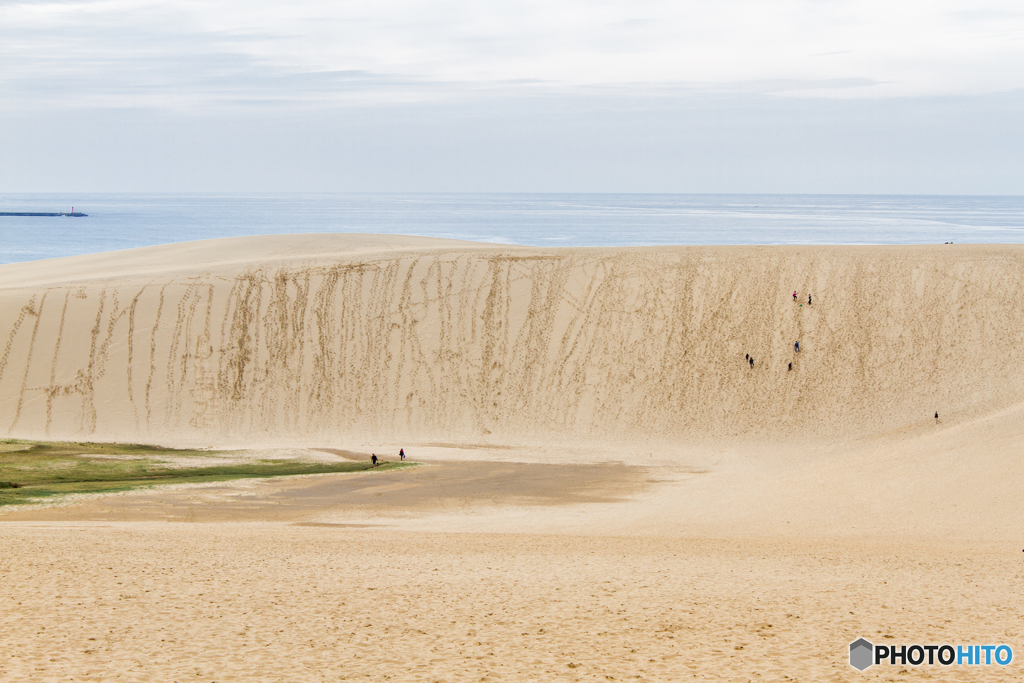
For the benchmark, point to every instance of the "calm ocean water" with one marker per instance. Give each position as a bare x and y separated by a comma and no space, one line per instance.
123,221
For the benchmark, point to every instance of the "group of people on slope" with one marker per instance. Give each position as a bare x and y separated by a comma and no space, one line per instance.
796,345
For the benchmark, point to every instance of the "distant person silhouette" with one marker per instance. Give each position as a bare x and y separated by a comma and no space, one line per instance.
746,356
373,459
794,297
751,362
808,299
790,367
796,347
936,417
401,453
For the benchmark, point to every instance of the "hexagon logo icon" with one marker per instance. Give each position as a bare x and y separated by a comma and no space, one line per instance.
861,654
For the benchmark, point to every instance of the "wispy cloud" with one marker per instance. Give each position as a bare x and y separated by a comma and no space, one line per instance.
186,54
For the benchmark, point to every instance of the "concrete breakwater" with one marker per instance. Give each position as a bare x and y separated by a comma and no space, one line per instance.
72,214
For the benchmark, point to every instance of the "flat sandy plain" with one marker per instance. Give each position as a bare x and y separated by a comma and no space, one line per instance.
608,491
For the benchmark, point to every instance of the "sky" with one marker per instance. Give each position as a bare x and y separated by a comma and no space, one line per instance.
830,96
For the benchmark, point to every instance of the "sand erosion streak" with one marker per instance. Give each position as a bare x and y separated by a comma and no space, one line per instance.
516,343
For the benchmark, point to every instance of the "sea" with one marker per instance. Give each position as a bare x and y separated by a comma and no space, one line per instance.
125,221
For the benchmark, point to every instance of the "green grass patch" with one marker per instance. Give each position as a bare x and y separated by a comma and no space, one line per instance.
32,470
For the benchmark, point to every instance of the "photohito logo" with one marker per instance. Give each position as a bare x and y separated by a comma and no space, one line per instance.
863,654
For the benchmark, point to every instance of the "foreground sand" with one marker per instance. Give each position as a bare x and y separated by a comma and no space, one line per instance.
273,602
608,490
421,575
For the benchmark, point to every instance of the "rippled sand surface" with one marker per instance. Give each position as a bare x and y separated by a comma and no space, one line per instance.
268,602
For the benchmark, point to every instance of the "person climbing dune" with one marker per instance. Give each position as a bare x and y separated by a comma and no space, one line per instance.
794,297
751,362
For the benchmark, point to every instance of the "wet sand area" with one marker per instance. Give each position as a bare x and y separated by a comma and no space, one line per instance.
440,486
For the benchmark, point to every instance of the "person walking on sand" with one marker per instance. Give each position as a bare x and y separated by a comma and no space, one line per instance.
790,367
794,297
936,417
401,453
373,459
808,299
796,347
751,362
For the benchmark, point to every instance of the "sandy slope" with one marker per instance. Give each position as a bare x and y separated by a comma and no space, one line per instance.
303,338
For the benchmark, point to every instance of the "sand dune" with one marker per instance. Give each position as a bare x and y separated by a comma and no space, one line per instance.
642,504
300,339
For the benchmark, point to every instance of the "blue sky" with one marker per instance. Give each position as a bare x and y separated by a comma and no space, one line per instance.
700,96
